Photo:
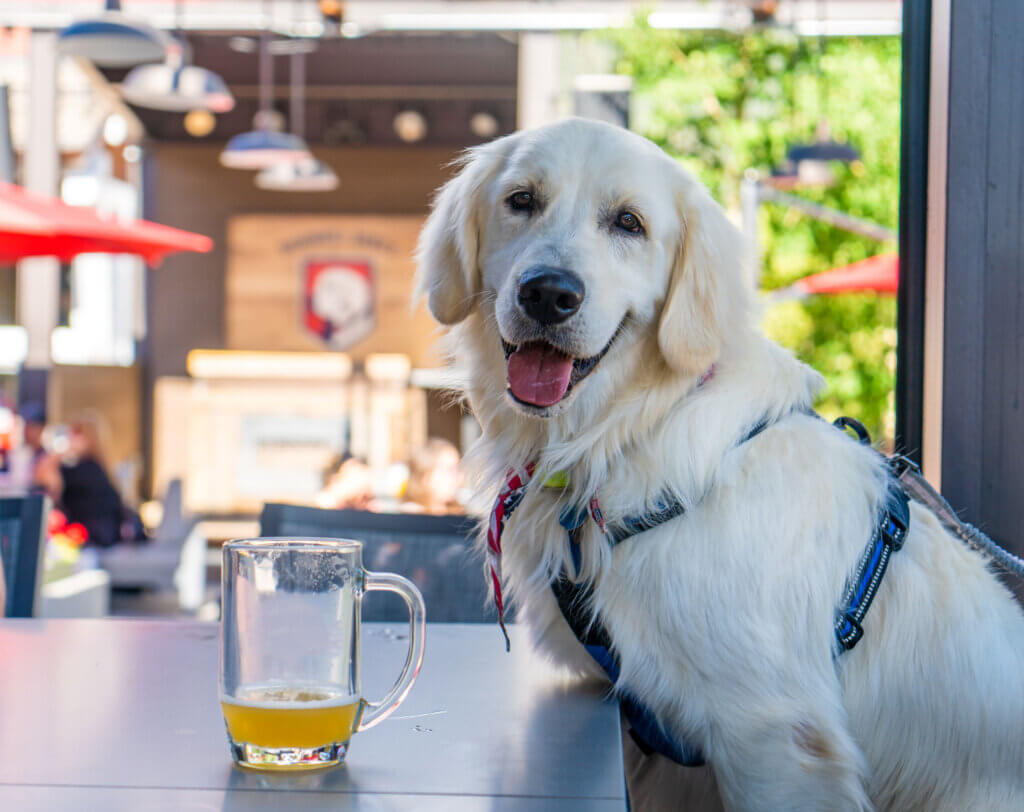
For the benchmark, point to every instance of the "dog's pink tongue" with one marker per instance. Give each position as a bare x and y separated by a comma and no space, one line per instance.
539,374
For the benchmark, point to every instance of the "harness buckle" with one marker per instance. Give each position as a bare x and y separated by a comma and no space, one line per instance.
894,531
848,630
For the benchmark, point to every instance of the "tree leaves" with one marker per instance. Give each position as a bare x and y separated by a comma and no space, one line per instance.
725,102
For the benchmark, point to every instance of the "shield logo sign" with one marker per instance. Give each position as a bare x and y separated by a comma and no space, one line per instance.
340,301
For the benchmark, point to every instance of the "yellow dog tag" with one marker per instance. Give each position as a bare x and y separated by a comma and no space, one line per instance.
559,479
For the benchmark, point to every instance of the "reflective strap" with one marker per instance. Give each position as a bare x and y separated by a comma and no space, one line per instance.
573,601
887,538
665,510
650,737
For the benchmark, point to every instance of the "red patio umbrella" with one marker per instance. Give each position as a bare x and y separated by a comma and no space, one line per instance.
34,225
879,273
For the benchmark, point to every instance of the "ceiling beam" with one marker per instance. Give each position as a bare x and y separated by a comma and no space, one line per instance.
397,92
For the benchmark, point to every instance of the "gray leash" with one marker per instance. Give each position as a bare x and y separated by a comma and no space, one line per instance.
919,489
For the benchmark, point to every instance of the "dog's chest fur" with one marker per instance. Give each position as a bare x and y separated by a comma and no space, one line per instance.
659,595
629,585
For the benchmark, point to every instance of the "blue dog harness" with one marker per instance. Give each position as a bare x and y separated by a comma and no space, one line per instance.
574,597
888,538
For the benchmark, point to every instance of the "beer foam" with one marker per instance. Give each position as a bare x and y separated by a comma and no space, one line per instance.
294,696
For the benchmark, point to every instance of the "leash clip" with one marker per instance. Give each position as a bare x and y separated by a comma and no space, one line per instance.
900,465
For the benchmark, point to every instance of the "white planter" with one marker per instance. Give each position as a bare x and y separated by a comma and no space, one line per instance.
84,594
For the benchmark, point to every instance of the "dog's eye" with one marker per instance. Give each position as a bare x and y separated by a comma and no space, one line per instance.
628,221
521,201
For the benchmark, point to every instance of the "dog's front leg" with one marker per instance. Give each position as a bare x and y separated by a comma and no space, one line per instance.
786,753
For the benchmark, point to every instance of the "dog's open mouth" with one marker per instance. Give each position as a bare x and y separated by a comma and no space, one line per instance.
541,375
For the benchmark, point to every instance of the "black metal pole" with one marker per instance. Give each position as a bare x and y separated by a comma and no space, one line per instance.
917,20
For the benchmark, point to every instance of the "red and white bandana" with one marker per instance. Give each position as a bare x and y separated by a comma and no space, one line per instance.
509,497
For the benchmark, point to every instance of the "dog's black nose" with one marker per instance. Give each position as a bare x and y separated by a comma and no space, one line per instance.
550,295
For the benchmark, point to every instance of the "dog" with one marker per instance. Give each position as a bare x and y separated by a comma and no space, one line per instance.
600,311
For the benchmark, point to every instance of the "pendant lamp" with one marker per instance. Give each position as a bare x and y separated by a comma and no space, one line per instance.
176,86
113,40
306,174
262,146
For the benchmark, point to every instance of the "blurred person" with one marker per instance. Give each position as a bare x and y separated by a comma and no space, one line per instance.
80,486
434,479
25,457
8,424
33,414
349,486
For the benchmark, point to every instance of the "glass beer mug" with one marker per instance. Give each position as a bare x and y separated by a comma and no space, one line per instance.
289,677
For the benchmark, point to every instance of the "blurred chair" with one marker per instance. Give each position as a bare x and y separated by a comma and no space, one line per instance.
23,522
434,552
174,559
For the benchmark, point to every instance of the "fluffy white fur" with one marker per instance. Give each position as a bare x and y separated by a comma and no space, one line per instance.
722,618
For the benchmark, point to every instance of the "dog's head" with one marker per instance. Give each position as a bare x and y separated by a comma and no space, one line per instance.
574,239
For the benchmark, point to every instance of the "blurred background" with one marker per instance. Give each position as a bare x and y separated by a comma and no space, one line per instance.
223,319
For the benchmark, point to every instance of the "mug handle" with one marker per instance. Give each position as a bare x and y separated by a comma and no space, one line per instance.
374,712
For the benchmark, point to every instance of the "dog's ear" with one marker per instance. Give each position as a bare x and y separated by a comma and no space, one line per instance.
709,290
448,270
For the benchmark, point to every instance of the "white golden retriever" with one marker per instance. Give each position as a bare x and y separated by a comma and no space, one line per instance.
590,285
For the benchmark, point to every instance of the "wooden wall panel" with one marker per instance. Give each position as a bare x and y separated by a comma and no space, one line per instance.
187,187
171,405
265,293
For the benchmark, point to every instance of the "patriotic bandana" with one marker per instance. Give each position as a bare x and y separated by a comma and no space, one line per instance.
509,497
508,500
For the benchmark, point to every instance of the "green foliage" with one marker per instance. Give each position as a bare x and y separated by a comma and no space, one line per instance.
727,102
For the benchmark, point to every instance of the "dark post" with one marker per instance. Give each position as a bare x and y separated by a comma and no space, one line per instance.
983,364
913,226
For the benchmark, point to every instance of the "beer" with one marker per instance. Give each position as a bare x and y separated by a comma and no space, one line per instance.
289,678
282,716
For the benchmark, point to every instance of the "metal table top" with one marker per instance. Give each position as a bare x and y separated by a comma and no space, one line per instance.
124,715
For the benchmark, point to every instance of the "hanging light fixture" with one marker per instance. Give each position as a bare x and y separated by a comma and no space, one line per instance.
259,149
823,148
410,125
484,124
307,174
113,40
177,88
174,85
808,164
199,123
263,146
